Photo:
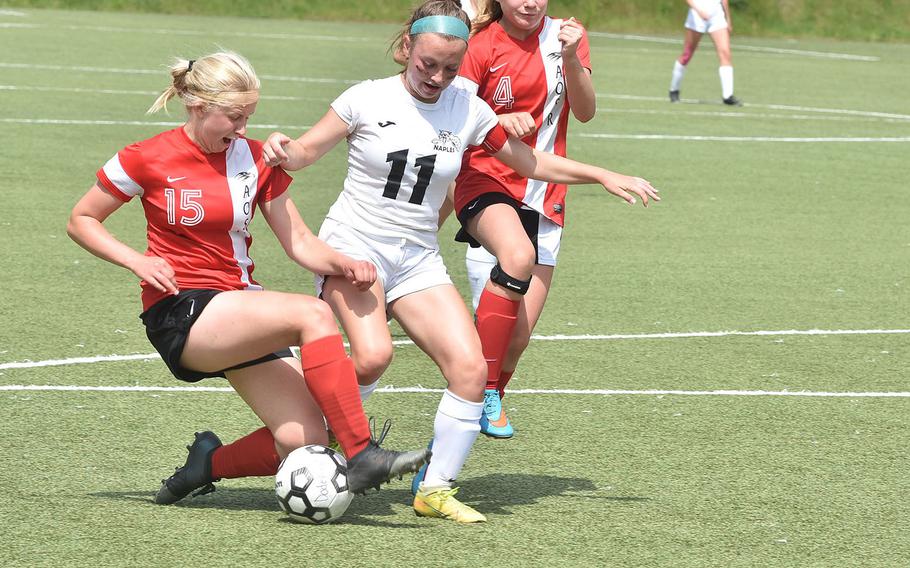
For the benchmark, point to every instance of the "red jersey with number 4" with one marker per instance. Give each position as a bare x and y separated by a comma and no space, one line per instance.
198,206
520,76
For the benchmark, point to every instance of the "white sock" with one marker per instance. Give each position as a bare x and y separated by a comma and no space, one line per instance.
479,263
454,431
726,80
367,390
678,71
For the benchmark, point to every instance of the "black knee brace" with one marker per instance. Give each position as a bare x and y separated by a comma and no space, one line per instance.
499,276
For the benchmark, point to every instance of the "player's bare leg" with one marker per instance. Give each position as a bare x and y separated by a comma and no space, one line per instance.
721,39
276,392
455,348
690,44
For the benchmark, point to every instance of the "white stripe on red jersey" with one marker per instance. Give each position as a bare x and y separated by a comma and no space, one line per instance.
522,76
198,206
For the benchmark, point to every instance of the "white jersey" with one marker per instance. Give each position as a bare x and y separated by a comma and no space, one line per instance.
709,6
402,156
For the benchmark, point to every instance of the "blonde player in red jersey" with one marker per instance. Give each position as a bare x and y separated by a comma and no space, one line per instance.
199,185
406,137
532,70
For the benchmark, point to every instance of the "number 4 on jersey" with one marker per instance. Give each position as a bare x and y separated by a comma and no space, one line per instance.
503,93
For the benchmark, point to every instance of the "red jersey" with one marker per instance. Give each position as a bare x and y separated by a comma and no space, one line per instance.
520,76
198,206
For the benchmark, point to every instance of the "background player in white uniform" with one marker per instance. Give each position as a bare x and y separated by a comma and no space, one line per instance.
200,185
714,18
402,155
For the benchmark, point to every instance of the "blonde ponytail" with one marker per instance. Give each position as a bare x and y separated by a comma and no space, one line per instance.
223,79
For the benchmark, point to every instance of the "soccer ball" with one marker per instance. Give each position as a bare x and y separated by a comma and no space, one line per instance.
312,485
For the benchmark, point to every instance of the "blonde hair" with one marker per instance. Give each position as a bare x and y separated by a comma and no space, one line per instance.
222,79
428,8
488,11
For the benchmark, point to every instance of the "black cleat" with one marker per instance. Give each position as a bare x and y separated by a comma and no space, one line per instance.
373,465
733,101
674,96
195,474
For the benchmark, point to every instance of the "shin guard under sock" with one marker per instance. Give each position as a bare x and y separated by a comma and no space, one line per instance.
330,377
496,319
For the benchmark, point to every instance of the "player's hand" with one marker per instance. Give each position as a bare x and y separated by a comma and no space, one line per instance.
518,124
626,187
570,33
360,273
273,149
157,272
703,15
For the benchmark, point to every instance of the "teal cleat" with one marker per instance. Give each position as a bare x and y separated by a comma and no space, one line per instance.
494,422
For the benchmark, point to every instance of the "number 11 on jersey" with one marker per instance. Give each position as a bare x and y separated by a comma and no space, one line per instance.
424,165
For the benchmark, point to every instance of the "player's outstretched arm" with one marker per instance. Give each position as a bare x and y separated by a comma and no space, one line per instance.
281,150
307,250
86,227
531,163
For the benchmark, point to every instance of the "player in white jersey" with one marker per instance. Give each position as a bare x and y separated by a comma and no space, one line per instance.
403,153
714,18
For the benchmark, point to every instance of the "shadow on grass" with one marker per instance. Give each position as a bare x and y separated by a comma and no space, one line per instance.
492,494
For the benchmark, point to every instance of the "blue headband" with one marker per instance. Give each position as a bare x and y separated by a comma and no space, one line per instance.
448,25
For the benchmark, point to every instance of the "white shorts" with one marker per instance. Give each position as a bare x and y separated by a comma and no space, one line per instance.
402,267
717,20
549,236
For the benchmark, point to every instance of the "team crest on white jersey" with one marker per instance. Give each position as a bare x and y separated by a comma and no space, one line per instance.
446,142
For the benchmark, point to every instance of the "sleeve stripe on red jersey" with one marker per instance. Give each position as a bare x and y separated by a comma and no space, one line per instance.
495,140
120,179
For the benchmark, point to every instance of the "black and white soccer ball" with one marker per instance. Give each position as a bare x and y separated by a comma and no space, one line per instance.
312,485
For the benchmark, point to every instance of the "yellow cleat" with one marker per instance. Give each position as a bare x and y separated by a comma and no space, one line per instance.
440,502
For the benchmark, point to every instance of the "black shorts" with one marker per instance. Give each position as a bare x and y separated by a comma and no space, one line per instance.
529,217
168,323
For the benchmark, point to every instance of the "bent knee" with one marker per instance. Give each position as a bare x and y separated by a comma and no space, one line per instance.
313,316
370,363
519,262
468,378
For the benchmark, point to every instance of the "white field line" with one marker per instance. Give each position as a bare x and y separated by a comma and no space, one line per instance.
796,108
744,115
134,92
6,25
259,35
60,121
162,72
611,111
14,13
610,337
783,139
739,47
421,390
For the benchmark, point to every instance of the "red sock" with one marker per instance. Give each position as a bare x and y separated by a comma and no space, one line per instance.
496,318
329,374
252,455
504,378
